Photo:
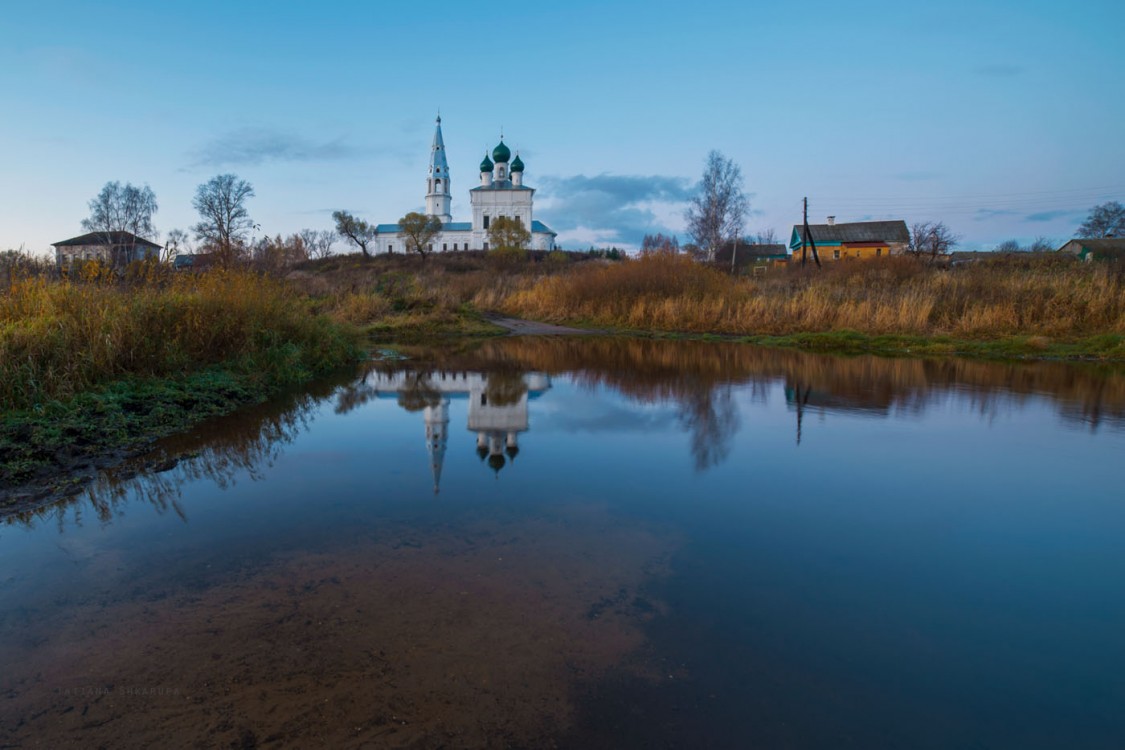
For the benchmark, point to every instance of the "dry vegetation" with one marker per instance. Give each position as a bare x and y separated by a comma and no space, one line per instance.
1040,300
1052,298
59,338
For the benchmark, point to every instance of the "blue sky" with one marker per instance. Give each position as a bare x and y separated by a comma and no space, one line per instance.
1004,119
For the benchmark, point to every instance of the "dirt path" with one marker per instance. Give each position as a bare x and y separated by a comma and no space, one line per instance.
518,327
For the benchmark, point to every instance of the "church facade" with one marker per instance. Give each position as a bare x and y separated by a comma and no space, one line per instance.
501,192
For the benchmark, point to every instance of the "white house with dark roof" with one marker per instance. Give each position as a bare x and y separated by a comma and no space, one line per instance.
113,248
501,193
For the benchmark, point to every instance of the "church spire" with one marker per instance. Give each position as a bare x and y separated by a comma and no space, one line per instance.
437,182
437,434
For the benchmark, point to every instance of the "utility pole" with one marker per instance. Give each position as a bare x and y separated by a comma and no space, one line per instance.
733,255
808,238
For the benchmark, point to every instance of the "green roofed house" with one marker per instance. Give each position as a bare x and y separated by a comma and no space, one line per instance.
1105,248
113,248
750,256
859,239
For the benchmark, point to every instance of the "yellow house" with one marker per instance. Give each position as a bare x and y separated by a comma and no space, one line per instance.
858,240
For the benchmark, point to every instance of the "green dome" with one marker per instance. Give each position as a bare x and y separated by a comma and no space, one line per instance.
517,165
501,154
486,165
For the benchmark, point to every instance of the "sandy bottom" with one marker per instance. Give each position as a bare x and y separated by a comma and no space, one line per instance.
485,634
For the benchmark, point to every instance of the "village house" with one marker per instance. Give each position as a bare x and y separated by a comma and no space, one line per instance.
1105,248
860,239
750,255
112,248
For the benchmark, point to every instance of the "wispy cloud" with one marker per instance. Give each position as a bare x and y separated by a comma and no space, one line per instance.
998,70
253,146
1051,215
618,208
984,214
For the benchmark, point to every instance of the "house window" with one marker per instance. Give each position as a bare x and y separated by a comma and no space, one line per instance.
878,251
835,255
486,221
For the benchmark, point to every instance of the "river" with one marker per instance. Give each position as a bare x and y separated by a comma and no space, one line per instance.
594,543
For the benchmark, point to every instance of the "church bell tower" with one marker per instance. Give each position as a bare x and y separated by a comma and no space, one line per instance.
437,184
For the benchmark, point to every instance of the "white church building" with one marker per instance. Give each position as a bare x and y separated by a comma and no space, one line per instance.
501,193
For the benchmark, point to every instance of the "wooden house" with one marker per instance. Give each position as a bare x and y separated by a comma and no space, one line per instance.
1105,248
860,239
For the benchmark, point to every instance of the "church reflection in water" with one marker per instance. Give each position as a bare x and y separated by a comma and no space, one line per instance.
498,408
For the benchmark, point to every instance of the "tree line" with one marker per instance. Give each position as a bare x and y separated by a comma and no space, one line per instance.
715,216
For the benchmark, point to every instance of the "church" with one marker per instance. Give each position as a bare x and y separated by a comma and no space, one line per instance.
501,193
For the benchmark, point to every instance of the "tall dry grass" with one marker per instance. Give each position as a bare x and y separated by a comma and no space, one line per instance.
889,296
61,337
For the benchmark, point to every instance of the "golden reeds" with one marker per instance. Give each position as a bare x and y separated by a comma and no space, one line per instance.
58,338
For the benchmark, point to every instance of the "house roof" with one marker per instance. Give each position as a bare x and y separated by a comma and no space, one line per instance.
749,252
858,231
106,238
1102,245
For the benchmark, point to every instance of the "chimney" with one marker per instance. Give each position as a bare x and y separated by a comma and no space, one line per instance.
831,221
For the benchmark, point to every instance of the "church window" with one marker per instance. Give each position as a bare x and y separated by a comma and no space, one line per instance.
437,185
390,248
444,247
486,221
486,246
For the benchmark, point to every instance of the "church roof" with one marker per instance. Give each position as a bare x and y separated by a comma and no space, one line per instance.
451,226
461,226
501,153
501,185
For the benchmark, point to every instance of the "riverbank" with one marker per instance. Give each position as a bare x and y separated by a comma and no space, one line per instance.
1035,308
93,371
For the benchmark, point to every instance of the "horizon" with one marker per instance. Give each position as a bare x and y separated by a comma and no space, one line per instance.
874,112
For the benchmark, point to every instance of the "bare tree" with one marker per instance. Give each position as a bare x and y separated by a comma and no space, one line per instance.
354,229
177,242
1041,245
225,222
1008,246
419,230
766,237
660,243
718,210
274,255
1106,220
931,239
318,242
122,208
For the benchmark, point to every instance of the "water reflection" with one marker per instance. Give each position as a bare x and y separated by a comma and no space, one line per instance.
501,379
220,451
497,407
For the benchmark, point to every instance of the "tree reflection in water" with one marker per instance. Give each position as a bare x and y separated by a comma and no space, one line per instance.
699,378
247,442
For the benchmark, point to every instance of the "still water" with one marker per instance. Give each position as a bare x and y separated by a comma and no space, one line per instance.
595,544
